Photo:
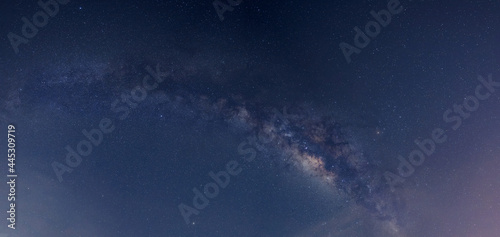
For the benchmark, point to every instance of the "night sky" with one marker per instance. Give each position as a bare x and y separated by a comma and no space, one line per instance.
251,118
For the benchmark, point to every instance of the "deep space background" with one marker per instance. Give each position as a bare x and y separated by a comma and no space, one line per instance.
322,173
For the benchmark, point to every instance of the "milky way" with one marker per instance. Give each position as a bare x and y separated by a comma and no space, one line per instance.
309,139
272,76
